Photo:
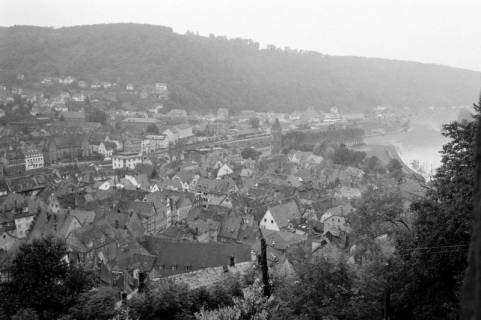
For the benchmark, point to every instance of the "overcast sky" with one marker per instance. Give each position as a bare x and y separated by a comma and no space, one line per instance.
435,31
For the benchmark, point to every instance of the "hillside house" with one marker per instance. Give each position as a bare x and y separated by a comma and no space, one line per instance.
280,217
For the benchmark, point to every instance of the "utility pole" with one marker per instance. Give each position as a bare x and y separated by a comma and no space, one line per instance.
265,269
387,303
387,293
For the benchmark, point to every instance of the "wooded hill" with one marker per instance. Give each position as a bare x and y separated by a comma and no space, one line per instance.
206,73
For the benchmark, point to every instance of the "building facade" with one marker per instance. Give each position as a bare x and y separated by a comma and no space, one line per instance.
126,160
34,160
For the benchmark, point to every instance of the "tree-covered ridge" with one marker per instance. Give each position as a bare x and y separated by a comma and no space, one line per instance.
211,72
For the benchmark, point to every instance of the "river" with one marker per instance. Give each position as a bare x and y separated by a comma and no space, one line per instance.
422,143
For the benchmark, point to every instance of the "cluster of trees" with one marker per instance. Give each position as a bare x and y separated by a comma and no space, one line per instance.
347,157
16,110
321,143
204,72
174,301
250,153
432,265
42,284
152,129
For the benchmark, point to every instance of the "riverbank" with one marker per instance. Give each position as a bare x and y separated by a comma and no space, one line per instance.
419,148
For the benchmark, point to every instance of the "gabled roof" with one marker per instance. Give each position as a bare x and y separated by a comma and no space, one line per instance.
218,186
83,216
195,254
285,212
143,208
67,141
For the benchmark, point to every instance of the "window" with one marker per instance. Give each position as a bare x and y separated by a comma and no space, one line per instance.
272,221
265,220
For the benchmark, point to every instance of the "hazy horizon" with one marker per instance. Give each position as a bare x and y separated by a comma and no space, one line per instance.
427,31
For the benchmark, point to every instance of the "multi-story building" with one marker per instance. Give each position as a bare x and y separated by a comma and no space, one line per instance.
153,143
34,160
126,160
66,148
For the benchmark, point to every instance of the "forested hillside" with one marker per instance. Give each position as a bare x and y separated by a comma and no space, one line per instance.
209,72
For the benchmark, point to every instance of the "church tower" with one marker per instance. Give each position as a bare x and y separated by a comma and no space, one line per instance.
276,133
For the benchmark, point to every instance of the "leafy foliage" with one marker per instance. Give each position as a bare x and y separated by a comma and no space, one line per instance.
96,304
42,282
374,165
347,157
428,280
379,211
152,129
178,302
251,306
395,169
250,153
322,143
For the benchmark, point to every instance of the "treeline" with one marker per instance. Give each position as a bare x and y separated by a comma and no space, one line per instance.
206,73
317,141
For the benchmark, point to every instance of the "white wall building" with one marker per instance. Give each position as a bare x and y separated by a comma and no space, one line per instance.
34,160
126,160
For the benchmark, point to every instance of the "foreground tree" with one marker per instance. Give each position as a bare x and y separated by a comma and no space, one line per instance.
42,282
96,304
253,305
431,264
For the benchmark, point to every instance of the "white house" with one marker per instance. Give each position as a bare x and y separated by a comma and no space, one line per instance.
304,158
154,188
224,170
34,160
126,160
106,149
171,135
335,224
280,217
23,222
106,185
178,133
